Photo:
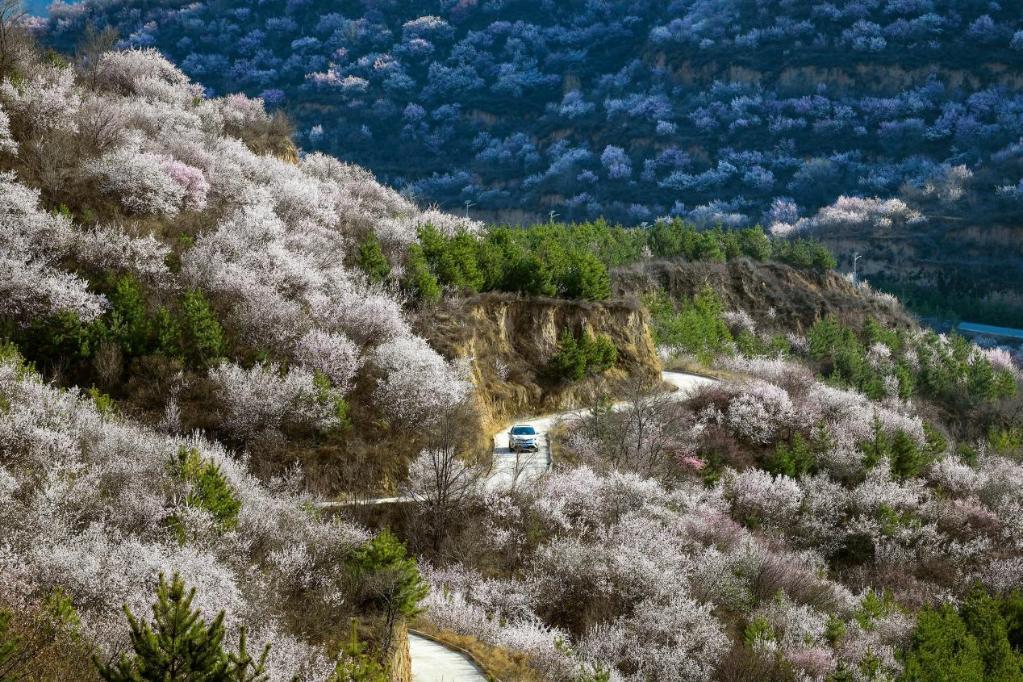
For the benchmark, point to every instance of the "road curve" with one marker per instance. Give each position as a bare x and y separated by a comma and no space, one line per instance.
433,662
511,468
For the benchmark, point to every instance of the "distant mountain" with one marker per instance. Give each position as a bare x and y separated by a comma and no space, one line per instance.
721,111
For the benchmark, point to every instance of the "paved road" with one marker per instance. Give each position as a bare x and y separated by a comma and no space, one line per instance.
511,468
432,662
515,468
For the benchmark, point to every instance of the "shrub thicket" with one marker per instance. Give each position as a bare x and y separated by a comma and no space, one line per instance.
948,370
573,261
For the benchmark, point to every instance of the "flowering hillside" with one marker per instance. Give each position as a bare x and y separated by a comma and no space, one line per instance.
881,116
208,335
162,272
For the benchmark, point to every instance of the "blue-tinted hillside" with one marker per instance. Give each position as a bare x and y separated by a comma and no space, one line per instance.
722,111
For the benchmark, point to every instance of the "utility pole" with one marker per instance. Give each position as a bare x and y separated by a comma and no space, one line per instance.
856,259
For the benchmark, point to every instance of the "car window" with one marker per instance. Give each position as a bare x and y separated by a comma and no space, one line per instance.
523,431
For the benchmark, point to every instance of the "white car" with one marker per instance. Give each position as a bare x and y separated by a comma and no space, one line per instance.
523,437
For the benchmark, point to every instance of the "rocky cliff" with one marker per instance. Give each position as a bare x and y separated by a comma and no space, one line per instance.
508,341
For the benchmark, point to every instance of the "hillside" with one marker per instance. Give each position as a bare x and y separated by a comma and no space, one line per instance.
253,397
888,127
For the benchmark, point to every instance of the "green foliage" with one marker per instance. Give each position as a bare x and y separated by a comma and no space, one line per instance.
202,337
104,405
758,630
907,459
979,641
872,607
529,275
942,649
188,330
356,664
587,278
956,375
210,488
795,458
834,631
574,260
583,356
670,239
697,327
905,456
454,260
180,646
982,615
419,282
371,258
128,323
325,395
1005,439
391,579
951,373
805,254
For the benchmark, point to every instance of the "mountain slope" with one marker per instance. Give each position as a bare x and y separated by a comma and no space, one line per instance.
731,112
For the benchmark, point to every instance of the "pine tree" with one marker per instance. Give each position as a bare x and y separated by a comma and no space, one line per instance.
372,259
179,646
419,281
907,460
390,580
203,337
356,664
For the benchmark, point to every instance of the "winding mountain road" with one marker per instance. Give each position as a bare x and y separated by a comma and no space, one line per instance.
434,662
511,468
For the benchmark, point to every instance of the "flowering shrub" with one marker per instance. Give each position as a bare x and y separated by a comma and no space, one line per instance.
103,535
33,285
142,181
264,400
418,385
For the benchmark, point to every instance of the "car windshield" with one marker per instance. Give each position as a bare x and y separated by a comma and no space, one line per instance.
523,431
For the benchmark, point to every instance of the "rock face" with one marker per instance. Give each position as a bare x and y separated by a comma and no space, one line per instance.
508,341
399,664
772,293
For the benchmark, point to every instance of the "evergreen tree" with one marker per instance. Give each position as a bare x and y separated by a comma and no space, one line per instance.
981,614
907,459
179,646
356,664
419,281
203,339
372,260
389,579
587,278
942,650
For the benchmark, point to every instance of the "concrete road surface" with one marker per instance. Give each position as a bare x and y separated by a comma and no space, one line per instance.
515,468
433,662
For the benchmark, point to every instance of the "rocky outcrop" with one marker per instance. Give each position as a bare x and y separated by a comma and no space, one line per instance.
777,296
508,342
